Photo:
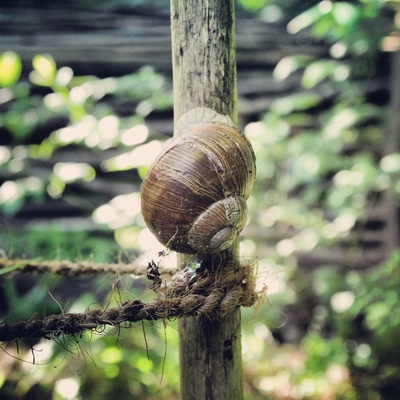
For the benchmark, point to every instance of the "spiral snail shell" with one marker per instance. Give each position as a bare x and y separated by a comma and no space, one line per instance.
193,197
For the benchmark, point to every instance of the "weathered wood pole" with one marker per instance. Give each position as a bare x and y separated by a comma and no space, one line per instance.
392,145
204,75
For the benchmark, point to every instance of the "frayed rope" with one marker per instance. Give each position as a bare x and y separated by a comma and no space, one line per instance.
208,294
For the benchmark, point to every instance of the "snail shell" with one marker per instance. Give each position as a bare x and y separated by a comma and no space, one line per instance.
193,198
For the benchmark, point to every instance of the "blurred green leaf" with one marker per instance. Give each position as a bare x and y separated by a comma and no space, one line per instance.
391,163
377,315
305,19
325,27
142,155
317,71
13,268
10,68
44,72
111,355
252,5
295,102
322,352
71,172
290,64
345,13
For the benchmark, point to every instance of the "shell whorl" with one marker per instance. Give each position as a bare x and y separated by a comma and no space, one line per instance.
194,195
206,234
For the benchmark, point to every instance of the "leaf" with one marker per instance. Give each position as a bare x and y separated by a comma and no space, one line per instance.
44,73
390,163
12,268
345,13
10,68
142,155
295,102
377,314
305,19
70,172
290,64
316,72
252,5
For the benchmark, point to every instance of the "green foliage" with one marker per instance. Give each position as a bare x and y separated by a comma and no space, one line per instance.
139,362
363,322
322,168
306,164
378,294
353,27
142,364
318,170
134,363
51,242
10,68
90,125
252,5
323,161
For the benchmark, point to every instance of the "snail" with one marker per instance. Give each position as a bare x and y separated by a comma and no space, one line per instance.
193,197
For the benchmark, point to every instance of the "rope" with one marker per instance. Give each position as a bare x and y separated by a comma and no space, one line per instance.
68,268
208,294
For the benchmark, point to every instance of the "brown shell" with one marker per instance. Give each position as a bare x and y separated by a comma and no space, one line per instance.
207,163
217,227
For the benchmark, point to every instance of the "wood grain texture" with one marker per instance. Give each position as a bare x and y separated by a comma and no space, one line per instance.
204,75
210,358
203,56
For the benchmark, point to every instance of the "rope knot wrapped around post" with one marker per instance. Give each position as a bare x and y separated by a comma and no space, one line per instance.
211,294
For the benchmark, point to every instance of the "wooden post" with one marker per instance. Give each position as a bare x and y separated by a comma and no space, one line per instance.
204,56
392,145
204,75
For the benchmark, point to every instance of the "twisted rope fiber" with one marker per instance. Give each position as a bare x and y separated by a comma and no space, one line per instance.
209,294
67,268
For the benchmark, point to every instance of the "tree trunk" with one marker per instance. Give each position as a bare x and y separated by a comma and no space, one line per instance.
204,75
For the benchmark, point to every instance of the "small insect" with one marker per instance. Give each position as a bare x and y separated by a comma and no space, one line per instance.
153,274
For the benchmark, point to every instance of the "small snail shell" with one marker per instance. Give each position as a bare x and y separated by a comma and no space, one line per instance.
193,198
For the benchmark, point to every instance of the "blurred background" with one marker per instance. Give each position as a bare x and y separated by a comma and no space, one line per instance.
86,105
